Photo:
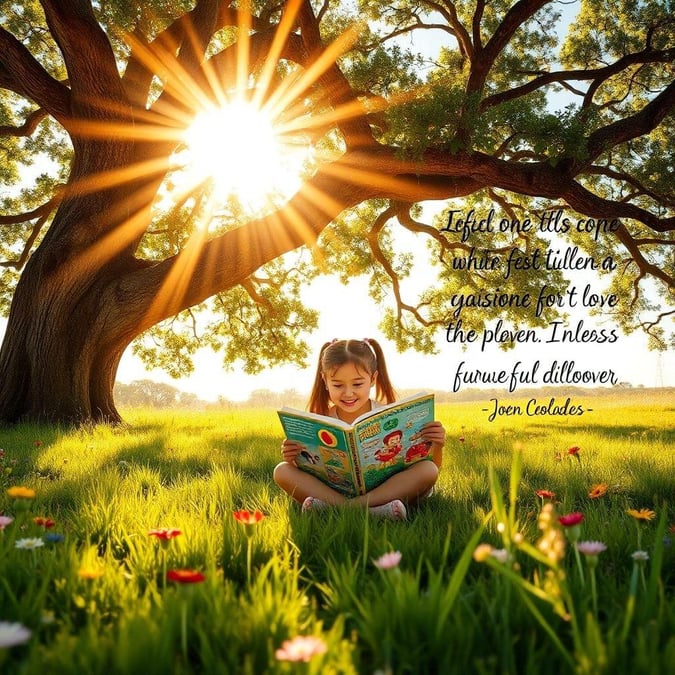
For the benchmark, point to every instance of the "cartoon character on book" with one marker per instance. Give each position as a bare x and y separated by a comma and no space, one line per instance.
392,447
417,450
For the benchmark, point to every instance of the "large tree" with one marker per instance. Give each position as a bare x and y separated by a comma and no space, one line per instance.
103,243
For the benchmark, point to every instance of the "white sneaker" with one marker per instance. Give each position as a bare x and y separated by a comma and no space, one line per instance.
313,504
395,510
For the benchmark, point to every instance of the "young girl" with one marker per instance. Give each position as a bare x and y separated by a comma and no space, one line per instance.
346,372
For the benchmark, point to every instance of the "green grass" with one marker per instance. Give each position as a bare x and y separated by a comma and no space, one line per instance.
440,611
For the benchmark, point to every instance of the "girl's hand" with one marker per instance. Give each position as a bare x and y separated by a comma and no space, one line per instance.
433,432
290,450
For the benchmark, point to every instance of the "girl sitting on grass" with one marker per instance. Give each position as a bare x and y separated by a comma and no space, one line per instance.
346,372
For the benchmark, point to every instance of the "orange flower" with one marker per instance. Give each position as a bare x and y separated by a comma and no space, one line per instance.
642,514
18,492
598,490
185,576
545,494
248,517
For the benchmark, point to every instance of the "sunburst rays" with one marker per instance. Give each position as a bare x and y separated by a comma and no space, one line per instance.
181,90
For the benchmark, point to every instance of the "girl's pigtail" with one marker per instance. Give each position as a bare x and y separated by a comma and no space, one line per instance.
318,399
384,389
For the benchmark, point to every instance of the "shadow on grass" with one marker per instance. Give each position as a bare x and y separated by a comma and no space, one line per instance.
61,475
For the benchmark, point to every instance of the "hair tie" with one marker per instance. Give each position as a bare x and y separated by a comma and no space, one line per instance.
333,341
367,341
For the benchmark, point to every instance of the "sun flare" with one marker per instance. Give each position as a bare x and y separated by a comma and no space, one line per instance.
238,148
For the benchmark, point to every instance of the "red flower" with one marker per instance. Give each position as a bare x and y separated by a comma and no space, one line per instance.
185,576
574,450
248,517
164,533
44,522
571,519
461,439
545,494
37,444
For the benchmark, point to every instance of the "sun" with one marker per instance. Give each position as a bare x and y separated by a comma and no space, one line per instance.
238,148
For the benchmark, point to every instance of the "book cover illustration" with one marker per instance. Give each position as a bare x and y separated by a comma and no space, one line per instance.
354,459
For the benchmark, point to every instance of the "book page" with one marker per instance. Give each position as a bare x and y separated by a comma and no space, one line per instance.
327,455
389,440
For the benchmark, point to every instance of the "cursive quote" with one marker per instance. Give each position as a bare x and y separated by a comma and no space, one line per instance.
579,298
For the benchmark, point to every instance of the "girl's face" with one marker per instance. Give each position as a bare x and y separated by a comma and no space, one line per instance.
349,390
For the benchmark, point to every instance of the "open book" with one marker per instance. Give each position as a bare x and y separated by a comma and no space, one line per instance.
354,458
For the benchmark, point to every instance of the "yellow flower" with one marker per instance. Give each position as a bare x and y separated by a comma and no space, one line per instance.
482,552
642,514
598,490
18,492
90,572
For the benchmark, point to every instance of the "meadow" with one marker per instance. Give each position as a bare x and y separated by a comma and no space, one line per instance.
137,549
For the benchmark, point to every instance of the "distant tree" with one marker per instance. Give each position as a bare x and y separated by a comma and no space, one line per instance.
103,244
147,394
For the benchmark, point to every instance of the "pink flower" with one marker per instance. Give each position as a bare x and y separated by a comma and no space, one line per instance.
591,548
5,521
164,533
301,648
571,519
388,560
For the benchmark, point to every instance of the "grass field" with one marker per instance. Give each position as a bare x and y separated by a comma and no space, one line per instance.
482,586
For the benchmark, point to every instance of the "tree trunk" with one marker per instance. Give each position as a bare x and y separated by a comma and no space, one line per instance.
56,364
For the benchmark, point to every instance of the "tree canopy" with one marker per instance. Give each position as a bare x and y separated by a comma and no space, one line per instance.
521,107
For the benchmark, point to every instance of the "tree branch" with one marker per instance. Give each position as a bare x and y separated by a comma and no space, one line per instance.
356,130
21,73
636,125
378,254
598,75
28,127
586,202
92,68
39,212
665,200
466,48
485,57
